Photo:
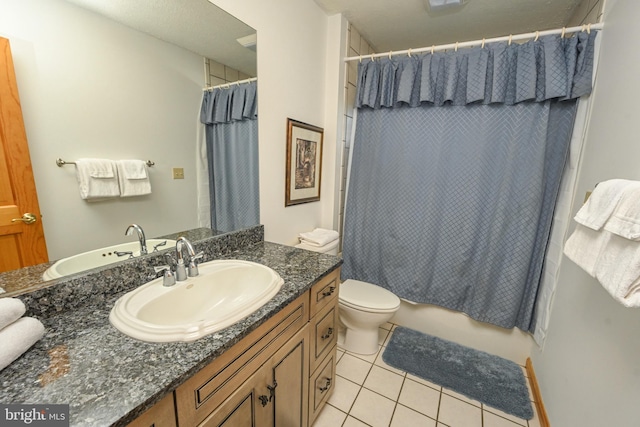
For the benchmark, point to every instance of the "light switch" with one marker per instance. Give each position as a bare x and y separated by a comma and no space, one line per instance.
178,173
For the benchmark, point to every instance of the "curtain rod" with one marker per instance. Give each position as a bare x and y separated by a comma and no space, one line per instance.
482,42
252,79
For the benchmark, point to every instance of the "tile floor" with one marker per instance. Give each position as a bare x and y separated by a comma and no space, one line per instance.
369,392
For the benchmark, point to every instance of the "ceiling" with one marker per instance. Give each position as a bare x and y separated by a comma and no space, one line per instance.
196,25
403,24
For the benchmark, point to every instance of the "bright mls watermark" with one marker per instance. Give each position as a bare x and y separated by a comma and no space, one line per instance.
34,415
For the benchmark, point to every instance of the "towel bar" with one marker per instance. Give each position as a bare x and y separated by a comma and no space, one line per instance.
61,163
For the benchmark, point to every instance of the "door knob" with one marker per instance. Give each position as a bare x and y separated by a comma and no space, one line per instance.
27,218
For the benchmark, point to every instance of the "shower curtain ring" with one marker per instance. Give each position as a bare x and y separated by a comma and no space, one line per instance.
390,52
433,48
589,28
537,36
510,38
456,47
409,52
483,39
564,29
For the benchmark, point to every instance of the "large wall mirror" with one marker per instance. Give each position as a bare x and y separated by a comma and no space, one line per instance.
119,79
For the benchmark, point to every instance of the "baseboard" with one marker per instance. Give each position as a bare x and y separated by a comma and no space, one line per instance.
535,389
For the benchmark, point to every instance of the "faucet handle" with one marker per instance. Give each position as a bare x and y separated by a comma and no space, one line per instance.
155,247
168,279
192,269
124,253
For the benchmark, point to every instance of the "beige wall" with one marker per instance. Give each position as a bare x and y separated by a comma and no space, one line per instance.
589,369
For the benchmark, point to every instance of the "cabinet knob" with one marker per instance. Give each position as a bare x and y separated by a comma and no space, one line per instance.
329,292
326,386
328,334
264,400
272,390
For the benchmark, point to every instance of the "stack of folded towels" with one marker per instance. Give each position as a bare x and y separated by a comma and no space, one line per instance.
606,241
17,333
319,240
100,179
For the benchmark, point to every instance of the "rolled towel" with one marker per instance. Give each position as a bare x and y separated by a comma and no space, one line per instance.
625,221
11,309
97,179
318,237
601,204
133,178
17,338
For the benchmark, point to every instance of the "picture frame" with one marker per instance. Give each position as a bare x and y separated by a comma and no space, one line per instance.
304,163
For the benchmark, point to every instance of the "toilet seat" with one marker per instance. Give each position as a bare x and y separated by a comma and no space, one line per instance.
367,297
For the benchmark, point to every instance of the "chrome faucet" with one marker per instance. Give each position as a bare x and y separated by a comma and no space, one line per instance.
183,271
141,237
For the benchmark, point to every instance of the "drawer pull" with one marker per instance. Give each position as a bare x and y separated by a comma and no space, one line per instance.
264,400
328,334
272,390
329,292
326,386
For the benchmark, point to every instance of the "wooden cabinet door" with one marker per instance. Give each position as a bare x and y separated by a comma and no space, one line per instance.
248,406
290,371
21,244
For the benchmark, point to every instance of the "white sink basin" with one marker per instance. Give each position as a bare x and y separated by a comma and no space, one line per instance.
99,258
224,292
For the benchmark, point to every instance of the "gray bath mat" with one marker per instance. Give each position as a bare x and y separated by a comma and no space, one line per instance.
492,380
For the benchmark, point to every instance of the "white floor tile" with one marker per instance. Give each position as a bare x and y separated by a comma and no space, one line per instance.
366,357
344,394
382,364
462,397
405,417
456,413
352,422
384,382
492,420
535,421
420,398
373,409
329,417
387,326
352,368
382,336
502,414
425,382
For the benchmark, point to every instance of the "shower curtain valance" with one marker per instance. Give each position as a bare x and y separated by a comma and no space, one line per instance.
226,105
551,67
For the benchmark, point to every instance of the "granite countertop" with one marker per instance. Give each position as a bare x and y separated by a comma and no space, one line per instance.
108,378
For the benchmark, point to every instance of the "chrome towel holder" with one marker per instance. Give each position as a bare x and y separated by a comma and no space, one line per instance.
61,163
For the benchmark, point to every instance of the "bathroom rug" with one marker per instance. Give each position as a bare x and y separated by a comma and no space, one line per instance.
490,379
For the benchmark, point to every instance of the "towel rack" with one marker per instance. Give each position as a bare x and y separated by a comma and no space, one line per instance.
61,163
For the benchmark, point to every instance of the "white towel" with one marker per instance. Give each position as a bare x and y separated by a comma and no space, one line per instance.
318,237
601,204
11,309
133,178
16,338
97,179
618,270
625,221
585,246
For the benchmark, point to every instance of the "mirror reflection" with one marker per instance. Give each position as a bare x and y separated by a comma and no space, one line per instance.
122,80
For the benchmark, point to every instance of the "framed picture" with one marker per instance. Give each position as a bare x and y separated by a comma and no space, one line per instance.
304,163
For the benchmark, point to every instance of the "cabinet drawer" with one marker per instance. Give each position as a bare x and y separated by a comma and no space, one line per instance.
324,334
324,292
321,385
162,414
202,393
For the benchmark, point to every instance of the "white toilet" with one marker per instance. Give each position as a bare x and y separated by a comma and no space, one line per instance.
363,308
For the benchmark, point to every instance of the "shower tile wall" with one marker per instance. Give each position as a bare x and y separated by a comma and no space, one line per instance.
217,73
356,45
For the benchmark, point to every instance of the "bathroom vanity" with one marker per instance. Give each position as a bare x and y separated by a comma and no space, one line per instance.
275,367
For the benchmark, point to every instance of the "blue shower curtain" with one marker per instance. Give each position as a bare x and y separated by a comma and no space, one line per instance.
231,133
456,167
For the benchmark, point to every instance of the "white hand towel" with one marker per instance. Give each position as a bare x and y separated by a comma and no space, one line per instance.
11,309
16,338
97,179
625,221
601,204
133,178
585,246
318,237
618,270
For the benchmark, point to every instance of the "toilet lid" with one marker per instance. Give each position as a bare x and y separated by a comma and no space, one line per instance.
367,295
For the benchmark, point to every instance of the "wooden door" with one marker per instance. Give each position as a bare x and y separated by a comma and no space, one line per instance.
21,244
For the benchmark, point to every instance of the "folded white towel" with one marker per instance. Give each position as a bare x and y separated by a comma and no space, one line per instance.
133,178
601,204
618,270
16,338
625,221
318,237
11,309
97,179
585,246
